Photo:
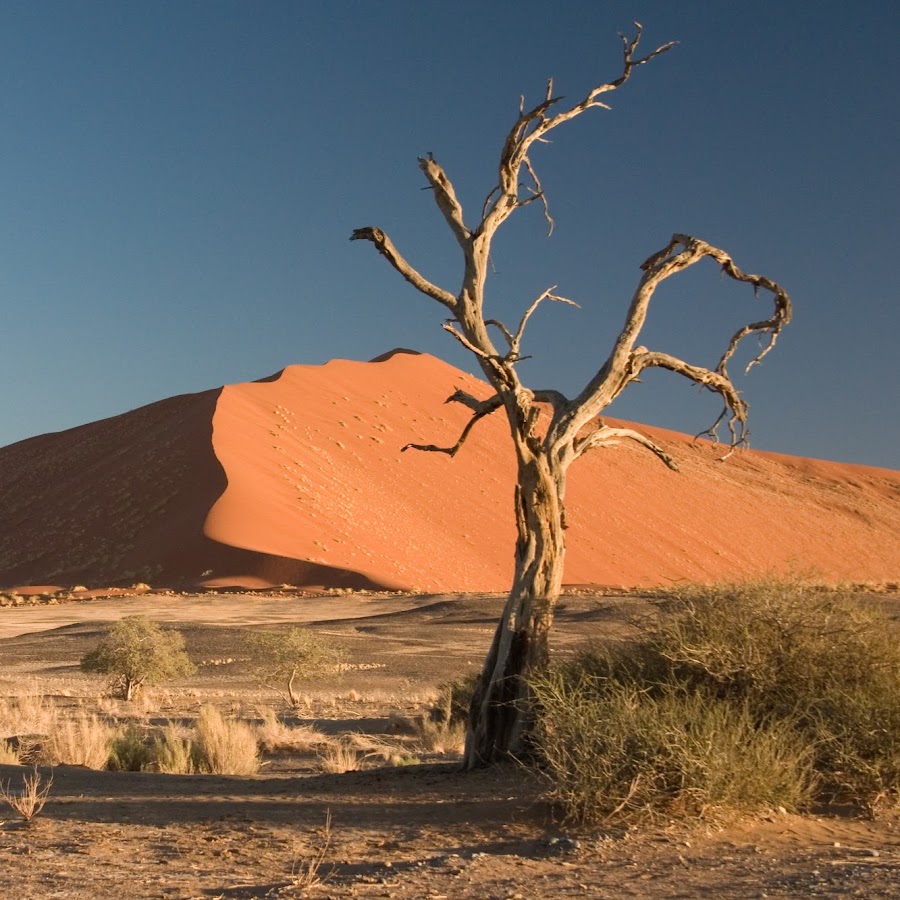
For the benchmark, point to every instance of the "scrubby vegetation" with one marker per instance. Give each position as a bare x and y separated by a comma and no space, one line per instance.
225,746
284,658
739,698
211,738
729,699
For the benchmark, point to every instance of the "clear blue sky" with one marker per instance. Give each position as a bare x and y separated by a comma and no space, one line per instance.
179,180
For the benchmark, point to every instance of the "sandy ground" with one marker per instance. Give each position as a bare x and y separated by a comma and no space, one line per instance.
426,831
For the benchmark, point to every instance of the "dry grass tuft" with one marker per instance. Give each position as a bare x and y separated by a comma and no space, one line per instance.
339,758
445,738
226,746
306,872
173,753
393,752
9,756
83,740
275,736
26,714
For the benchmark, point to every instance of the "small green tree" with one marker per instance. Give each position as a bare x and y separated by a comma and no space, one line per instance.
137,651
286,657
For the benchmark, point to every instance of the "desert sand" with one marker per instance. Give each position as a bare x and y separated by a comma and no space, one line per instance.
299,479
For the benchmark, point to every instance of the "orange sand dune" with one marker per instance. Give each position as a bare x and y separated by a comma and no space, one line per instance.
299,479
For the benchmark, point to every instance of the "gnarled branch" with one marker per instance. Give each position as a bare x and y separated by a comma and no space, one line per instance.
515,340
533,126
708,378
385,246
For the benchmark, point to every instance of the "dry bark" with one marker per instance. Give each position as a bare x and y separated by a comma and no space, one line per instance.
549,431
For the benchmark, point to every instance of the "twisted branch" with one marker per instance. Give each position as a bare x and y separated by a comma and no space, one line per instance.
534,125
515,340
385,246
480,409
625,363
445,197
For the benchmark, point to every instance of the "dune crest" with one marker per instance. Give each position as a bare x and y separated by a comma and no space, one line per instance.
298,478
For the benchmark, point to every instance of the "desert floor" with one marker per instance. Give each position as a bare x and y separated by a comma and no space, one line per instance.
411,831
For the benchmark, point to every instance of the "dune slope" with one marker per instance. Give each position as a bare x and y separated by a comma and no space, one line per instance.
299,479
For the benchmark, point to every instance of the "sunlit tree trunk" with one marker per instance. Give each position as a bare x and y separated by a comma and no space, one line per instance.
498,717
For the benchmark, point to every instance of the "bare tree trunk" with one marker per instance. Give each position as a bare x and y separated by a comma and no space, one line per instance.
130,687
500,710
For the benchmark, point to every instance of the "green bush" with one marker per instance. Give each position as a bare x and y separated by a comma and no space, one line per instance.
130,751
136,651
741,697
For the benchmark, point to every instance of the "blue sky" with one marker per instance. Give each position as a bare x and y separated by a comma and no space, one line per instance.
179,180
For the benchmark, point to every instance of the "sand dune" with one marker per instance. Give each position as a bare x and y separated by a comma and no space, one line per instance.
299,478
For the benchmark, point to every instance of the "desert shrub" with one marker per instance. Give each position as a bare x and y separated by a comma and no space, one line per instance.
856,730
137,651
827,661
225,746
174,754
741,697
624,752
130,751
281,659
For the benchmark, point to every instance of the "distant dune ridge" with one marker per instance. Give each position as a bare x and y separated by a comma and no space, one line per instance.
299,479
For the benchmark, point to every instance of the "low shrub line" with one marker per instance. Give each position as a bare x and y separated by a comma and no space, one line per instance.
742,697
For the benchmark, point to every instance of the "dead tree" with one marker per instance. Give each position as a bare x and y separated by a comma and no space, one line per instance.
549,430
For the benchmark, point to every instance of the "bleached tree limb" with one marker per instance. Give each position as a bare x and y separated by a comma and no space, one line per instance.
605,436
502,329
445,197
515,340
472,348
534,125
385,246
